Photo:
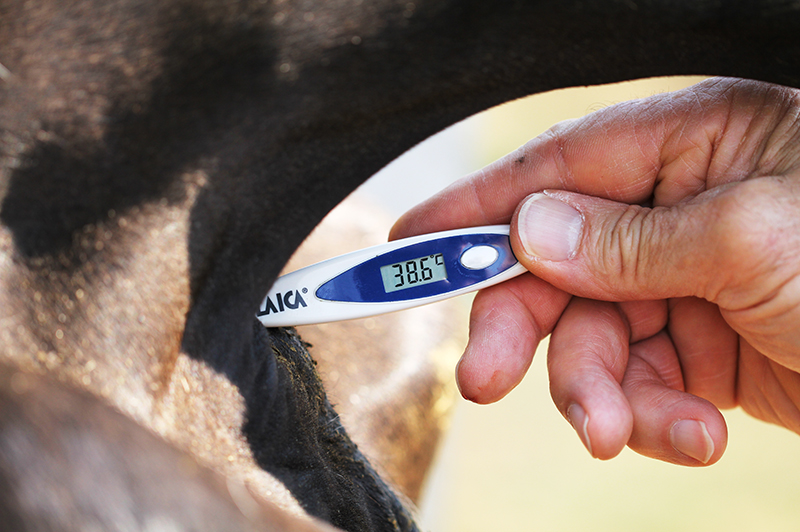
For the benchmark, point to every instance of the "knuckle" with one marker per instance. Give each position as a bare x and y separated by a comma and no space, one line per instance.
753,231
746,223
630,250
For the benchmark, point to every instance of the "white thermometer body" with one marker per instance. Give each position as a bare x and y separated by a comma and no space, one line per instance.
393,276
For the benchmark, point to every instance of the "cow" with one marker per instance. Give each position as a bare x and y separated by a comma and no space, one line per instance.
160,161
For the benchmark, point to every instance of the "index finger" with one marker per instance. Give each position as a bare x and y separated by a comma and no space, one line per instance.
622,153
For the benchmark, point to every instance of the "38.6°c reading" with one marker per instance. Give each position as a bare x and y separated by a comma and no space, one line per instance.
414,272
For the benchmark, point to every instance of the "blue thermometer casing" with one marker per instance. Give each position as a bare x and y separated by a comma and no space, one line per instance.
393,276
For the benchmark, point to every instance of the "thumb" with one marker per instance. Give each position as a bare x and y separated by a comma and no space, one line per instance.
600,249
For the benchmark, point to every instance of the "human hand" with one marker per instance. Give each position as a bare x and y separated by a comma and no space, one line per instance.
664,240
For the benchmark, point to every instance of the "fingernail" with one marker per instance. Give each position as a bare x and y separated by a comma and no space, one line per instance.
549,229
579,420
691,437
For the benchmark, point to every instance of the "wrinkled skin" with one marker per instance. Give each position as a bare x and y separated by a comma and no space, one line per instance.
683,261
160,161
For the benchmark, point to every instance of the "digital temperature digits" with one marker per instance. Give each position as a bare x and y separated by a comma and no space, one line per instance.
414,272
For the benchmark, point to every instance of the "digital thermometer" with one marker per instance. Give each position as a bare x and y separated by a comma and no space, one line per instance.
393,276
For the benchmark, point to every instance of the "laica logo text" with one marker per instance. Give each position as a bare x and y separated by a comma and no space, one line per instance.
289,300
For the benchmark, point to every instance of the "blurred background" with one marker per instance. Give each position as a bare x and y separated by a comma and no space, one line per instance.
517,465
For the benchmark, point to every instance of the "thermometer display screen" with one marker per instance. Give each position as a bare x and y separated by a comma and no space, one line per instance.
415,272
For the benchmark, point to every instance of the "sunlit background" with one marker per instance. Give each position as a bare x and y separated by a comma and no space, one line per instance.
517,465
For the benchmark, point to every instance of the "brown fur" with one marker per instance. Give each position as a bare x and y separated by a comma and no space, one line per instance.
70,463
161,160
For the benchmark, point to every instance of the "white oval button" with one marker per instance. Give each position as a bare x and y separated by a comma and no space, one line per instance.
479,257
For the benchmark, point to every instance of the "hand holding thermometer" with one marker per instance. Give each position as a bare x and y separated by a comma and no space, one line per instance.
393,276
